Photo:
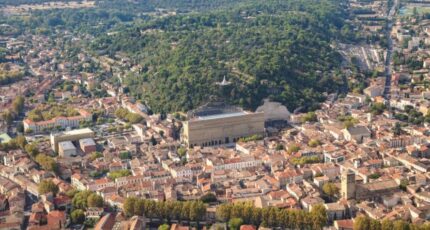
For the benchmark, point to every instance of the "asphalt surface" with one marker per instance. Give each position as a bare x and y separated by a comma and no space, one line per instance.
388,64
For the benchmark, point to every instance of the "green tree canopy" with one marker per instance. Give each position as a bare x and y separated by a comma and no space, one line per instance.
119,173
330,189
235,223
77,216
319,216
95,200
208,198
47,162
47,186
164,227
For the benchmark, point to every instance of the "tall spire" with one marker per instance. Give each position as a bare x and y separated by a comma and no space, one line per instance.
224,82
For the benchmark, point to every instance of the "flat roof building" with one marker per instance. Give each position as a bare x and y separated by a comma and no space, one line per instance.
66,149
87,145
73,135
216,124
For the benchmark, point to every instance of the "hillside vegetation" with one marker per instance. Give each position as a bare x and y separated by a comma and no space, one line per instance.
276,49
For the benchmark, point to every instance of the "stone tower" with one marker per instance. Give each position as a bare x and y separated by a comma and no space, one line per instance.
348,184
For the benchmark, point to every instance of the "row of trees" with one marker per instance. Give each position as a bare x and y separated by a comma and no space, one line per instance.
165,210
274,217
367,223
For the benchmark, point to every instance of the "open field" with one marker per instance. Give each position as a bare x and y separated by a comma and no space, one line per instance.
25,8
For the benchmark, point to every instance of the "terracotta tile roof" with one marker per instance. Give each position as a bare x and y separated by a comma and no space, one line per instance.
248,227
344,224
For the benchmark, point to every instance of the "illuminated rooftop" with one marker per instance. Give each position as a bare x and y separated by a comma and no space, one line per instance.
215,110
218,116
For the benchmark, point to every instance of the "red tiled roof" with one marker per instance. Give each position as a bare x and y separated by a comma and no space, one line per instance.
59,200
56,218
248,227
345,224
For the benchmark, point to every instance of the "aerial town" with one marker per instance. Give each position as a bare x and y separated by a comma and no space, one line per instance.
78,152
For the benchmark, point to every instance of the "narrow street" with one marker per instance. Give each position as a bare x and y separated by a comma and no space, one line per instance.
29,201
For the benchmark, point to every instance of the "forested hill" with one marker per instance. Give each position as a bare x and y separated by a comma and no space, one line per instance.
278,49
274,48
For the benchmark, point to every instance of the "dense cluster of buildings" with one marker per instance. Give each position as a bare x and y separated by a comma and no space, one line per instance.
353,158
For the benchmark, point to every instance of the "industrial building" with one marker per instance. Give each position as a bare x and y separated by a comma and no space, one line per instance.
73,135
217,124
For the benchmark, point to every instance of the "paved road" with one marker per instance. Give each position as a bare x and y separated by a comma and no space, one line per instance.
388,66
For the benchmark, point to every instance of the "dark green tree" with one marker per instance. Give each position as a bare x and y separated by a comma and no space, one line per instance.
95,200
47,186
77,216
